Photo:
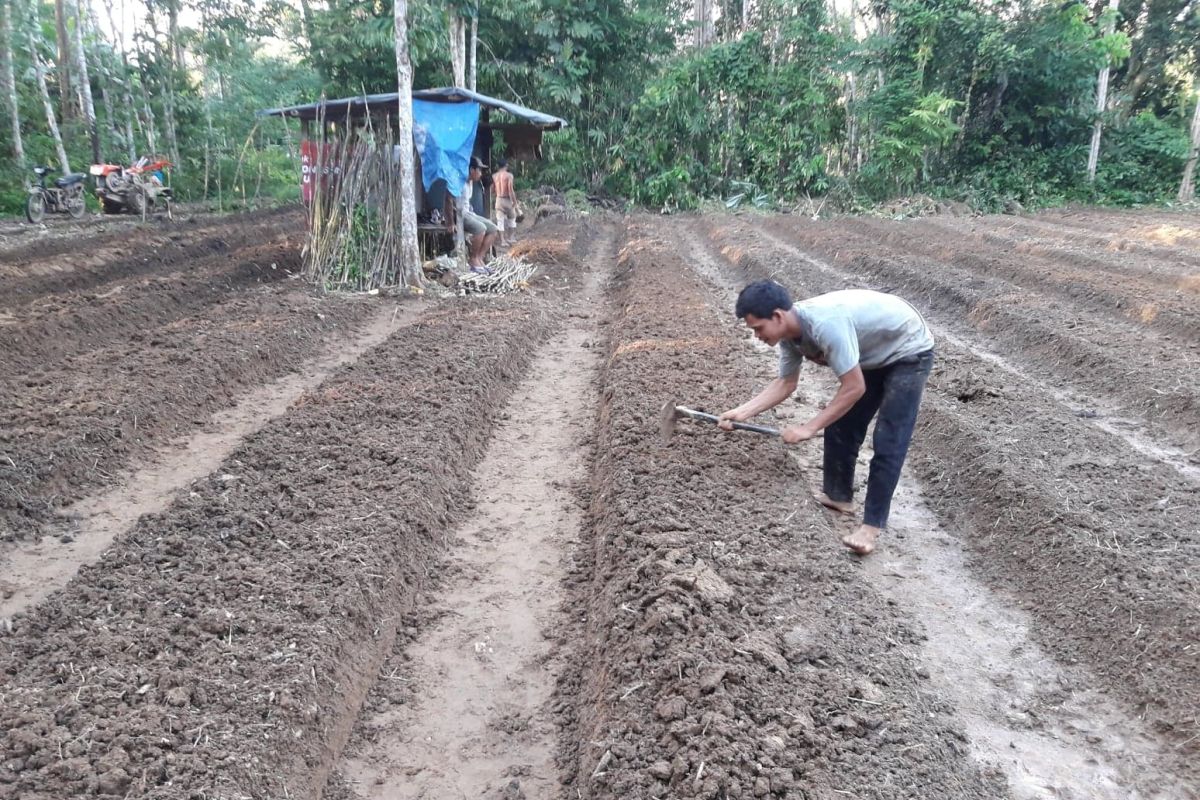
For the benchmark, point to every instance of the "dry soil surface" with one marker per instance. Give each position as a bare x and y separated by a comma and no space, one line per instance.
257,541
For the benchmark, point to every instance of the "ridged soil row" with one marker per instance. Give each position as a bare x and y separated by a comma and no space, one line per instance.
1119,293
61,327
1152,377
728,646
1144,223
1119,250
222,648
73,426
1092,540
85,263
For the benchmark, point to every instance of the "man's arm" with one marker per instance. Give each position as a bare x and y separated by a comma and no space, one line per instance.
775,393
851,387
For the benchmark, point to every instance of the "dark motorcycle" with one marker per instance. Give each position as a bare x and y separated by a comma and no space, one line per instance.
64,197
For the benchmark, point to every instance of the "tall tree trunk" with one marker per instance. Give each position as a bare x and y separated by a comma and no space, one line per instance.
1187,187
474,51
458,47
169,123
168,98
410,256
306,22
64,58
39,71
85,85
148,114
174,41
116,137
131,115
704,22
1101,98
10,86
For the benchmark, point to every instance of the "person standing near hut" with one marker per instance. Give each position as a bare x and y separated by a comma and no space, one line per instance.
506,203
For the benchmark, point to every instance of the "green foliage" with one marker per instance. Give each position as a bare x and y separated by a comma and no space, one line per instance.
903,149
991,102
1141,161
747,110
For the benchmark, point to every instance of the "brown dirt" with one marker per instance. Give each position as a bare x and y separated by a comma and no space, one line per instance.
224,646
476,667
728,649
1089,537
140,352
1027,629
1112,366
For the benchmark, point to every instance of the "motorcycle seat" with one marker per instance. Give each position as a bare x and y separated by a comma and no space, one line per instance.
69,180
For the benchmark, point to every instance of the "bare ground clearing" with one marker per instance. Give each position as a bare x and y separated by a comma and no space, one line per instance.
462,562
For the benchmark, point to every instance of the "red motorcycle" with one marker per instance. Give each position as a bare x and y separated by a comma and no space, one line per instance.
134,189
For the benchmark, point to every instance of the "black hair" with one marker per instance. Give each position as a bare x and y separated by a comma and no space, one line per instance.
761,299
502,163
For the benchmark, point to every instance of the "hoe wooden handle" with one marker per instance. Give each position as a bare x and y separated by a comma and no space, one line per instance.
741,426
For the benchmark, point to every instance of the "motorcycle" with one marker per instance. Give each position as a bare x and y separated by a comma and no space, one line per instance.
64,197
134,188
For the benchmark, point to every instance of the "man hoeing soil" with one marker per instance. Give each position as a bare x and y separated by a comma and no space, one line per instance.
881,351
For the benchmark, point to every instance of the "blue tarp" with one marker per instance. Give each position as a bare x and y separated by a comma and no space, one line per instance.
444,134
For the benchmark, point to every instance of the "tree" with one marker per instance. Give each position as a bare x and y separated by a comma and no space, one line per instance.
64,57
1187,187
458,47
410,257
85,83
1101,96
474,76
39,70
125,82
9,85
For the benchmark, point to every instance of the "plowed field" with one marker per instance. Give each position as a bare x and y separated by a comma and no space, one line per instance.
258,541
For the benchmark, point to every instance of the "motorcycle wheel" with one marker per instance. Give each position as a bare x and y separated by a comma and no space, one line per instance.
35,208
137,201
114,181
76,207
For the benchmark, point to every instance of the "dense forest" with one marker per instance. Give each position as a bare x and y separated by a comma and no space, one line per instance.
764,102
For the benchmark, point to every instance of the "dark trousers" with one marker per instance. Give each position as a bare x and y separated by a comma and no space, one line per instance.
894,392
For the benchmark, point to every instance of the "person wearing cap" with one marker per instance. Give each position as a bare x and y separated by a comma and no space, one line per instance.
881,351
483,231
506,203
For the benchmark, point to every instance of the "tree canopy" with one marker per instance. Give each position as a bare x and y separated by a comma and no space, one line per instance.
671,101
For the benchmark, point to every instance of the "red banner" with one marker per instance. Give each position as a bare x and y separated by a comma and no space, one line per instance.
324,162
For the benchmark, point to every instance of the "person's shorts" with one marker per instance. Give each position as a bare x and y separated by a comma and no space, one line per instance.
473,224
506,213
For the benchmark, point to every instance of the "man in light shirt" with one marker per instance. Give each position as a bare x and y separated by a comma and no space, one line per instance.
881,351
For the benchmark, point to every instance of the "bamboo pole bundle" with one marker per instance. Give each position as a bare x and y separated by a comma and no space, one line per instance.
354,217
505,274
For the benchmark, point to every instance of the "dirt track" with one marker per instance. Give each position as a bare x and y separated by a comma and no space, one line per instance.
437,549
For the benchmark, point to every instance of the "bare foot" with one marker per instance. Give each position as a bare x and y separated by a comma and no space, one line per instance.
834,505
862,541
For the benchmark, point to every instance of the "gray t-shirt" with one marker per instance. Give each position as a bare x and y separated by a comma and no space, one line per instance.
854,326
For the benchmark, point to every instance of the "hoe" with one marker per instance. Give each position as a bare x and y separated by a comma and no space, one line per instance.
671,412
